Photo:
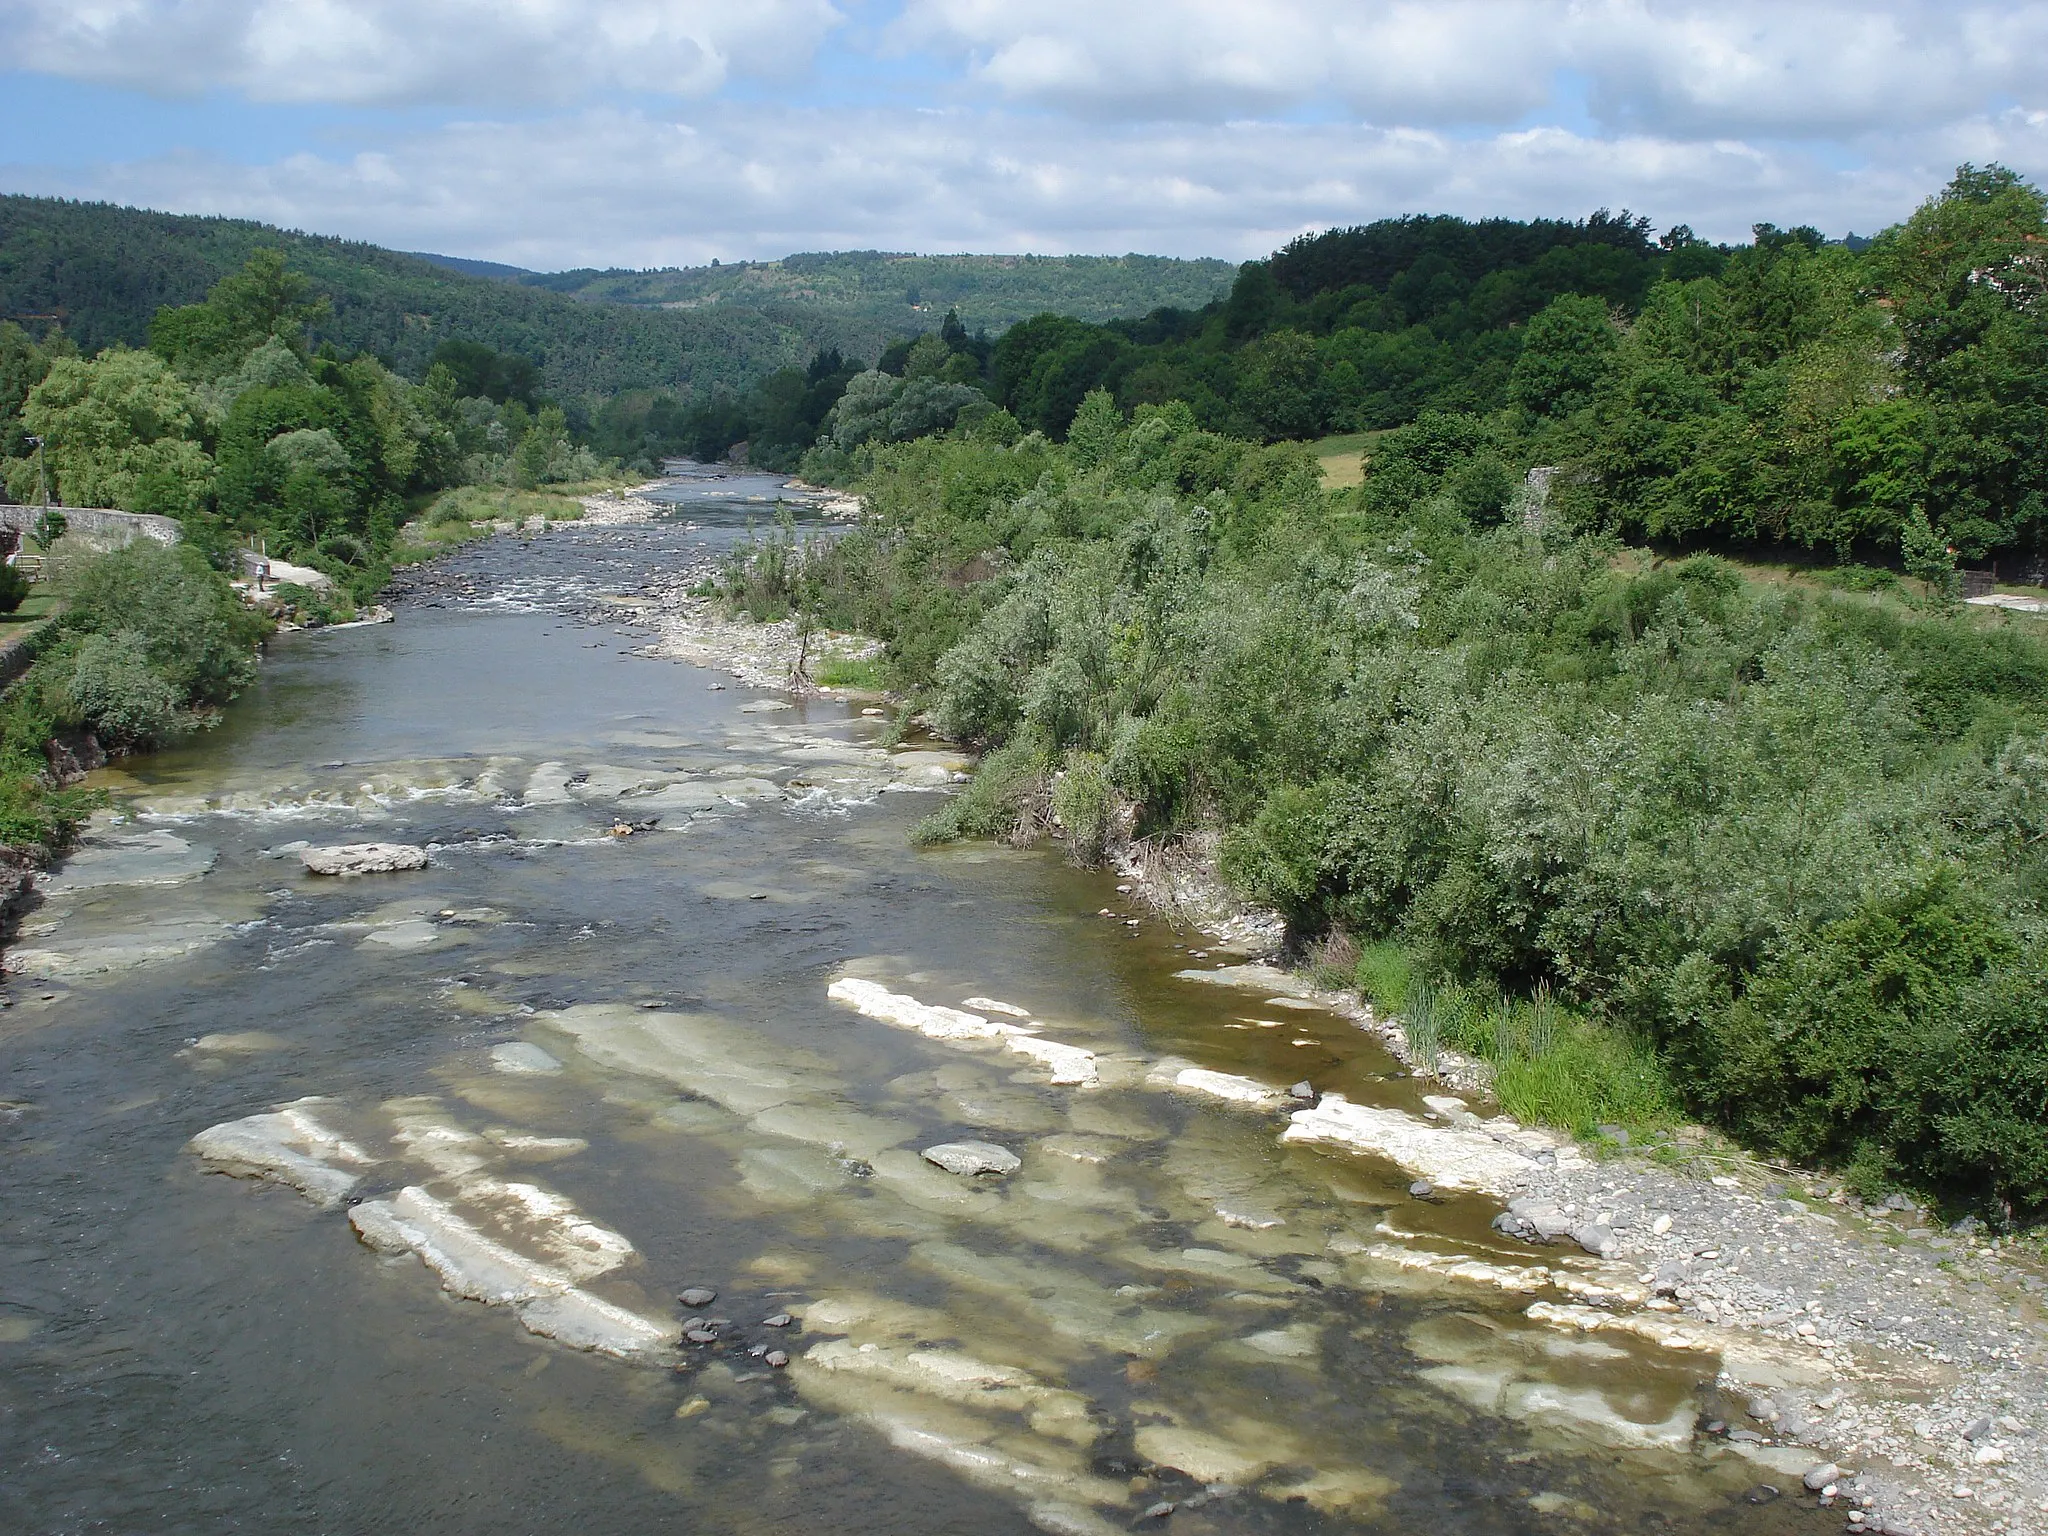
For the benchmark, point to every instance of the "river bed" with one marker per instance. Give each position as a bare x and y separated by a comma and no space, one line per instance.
537,1089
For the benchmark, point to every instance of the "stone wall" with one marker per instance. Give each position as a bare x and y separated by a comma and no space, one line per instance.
98,526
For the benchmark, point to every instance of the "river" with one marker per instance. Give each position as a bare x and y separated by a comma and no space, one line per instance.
578,1072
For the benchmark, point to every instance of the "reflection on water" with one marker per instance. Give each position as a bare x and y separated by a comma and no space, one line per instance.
615,1060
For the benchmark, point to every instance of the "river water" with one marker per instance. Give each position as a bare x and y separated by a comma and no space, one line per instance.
559,1075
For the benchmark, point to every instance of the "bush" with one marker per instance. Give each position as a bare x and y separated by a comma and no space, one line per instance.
197,634
14,589
1086,804
108,683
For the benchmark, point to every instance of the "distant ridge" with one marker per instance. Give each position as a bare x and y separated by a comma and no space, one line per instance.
698,331
472,267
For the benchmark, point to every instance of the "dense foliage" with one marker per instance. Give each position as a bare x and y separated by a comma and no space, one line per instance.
152,639
108,270
865,300
233,424
594,334
1787,846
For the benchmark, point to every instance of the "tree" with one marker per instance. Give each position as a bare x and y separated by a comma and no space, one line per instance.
1566,351
264,299
119,431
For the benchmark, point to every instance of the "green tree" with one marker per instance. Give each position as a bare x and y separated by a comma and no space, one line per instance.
264,299
1565,354
119,431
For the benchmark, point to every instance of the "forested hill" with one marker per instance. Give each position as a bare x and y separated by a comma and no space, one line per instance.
1884,399
691,330
875,297
1350,329
110,269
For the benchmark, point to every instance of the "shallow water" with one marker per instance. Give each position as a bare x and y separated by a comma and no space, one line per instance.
1163,1283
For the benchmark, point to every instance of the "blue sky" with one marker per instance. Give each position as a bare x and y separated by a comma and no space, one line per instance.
555,133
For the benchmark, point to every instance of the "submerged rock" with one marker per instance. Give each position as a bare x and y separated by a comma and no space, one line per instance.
971,1157
363,858
523,1058
139,858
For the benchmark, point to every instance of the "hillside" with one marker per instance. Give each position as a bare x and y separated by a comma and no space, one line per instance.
875,297
692,331
111,268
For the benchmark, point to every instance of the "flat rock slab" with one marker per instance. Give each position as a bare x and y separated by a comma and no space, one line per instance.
523,1057
973,1157
144,858
364,858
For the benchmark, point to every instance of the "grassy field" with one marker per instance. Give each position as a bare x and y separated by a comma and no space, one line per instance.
1343,458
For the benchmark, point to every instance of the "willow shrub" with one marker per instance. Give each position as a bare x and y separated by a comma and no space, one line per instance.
1778,854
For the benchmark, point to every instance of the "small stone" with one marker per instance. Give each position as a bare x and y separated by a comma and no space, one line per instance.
698,1296
1762,1493
1302,1093
1159,1511
1422,1189
779,1320
693,1407
1660,1226
971,1157
757,1350
1762,1409
777,1358
699,1334
1989,1455
1978,1430
1819,1477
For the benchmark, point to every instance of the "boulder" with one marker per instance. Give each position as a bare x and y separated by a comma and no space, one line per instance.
363,858
972,1157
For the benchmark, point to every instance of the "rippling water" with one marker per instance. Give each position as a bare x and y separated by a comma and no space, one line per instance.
1164,1303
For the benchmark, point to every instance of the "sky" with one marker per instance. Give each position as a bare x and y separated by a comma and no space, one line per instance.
638,133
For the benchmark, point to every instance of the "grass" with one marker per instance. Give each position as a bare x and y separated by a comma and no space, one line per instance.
468,511
1551,1066
40,604
852,672
1343,458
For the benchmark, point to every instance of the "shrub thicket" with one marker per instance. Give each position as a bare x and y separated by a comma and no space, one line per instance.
1773,850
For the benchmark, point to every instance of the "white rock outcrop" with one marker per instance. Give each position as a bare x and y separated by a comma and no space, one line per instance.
363,858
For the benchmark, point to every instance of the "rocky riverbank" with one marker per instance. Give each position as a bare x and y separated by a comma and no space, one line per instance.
1873,1350
1871,1358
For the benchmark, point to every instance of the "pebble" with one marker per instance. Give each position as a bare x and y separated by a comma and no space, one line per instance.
777,1358
701,1335
1422,1189
779,1320
1302,1093
1159,1511
698,1296
1819,1477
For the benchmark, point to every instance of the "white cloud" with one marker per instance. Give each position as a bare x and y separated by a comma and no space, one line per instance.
405,52
1685,68
1181,126
610,187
